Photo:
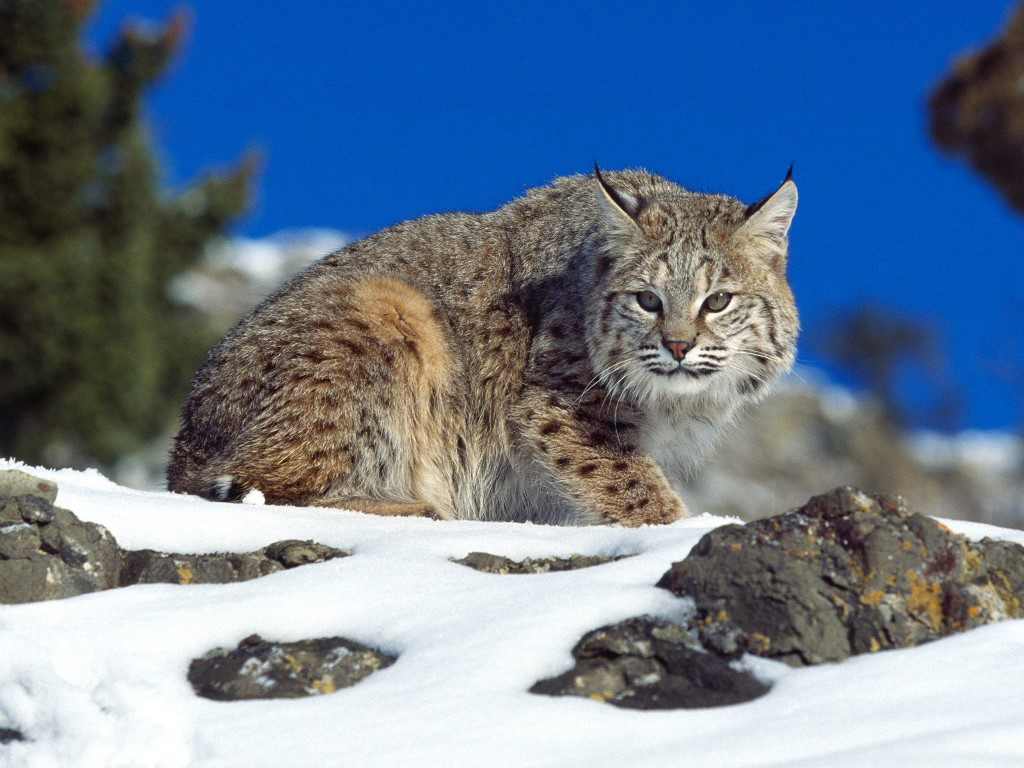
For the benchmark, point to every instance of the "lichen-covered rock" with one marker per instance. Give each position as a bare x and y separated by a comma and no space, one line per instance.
644,663
46,552
258,669
146,566
847,573
488,563
292,553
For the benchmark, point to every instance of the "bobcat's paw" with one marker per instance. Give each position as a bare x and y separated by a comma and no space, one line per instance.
653,509
644,506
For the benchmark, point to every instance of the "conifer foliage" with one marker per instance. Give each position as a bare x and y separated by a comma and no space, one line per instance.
977,110
94,355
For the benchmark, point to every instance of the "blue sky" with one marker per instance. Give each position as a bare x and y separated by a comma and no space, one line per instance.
370,113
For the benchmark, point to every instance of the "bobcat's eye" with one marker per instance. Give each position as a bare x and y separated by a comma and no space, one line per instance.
716,302
649,301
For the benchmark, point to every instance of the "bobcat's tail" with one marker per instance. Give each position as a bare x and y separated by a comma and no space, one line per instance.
225,488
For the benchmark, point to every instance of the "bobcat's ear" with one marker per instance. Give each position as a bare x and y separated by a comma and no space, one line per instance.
767,221
620,208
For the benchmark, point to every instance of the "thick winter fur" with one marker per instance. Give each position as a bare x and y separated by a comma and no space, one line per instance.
566,358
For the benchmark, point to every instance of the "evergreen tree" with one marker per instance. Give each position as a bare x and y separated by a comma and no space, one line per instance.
877,346
94,355
977,110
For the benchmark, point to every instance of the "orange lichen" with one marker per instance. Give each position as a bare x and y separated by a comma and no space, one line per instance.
184,574
1005,593
874,597
323,685
758,643
925,599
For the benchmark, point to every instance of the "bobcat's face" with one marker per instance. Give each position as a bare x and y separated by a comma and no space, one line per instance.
693,296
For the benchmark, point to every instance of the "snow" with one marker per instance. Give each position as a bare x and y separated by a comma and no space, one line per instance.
99,680
993,452
254,496
264,263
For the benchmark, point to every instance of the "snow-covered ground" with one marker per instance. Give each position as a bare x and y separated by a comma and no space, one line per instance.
99,680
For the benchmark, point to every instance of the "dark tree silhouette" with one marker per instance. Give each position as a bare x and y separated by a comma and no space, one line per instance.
978,111
875,346
94,355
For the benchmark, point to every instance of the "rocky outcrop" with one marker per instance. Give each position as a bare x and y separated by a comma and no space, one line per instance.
800,441
645,663
47,553
488,563
258,669
845,574
146,566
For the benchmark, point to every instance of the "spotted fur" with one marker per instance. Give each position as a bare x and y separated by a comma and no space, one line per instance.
503,366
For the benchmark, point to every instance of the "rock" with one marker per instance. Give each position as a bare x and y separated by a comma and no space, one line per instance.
146,566
644,663
258,669
46,552
845,574
16,484
292,553
488,563
800,441
7,735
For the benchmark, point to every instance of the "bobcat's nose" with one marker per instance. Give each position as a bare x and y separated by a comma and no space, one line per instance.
678,348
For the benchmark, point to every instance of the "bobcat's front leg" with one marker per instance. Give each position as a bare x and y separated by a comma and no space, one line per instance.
596,462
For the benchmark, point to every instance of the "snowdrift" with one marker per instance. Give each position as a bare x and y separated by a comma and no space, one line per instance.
100,679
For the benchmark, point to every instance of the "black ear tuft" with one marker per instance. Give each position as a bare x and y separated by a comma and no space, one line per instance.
625,203
755,207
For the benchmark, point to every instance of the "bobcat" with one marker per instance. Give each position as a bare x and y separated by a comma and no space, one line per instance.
566,358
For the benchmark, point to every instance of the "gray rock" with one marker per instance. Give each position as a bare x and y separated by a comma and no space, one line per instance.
46,552
7,735
146,566
802,440
644,663
14,484
847,573
258,669
488,563
292,553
